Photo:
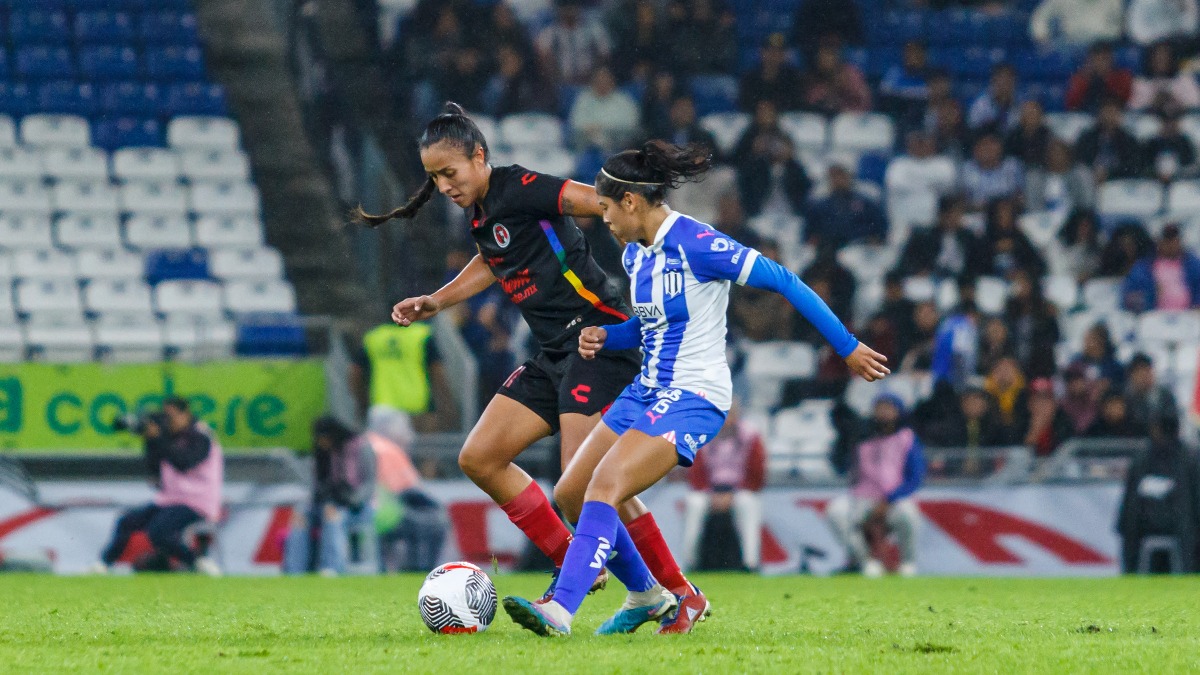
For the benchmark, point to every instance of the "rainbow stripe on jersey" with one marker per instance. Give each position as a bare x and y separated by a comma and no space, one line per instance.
573,278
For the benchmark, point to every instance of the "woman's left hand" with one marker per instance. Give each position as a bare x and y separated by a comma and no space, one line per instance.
867,363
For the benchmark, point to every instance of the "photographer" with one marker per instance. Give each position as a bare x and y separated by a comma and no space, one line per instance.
185,459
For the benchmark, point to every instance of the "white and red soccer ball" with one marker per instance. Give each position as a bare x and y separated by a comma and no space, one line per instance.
457,597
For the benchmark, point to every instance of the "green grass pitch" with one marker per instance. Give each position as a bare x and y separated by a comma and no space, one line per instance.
181,624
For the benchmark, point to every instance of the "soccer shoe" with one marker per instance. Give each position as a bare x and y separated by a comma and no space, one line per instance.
548,619
908,569
208,567
639,608
693,608
98,568
873,569
597,585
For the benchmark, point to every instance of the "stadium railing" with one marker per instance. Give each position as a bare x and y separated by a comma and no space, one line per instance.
1092,459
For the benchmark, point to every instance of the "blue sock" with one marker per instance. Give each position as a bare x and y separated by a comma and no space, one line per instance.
627,565
587,555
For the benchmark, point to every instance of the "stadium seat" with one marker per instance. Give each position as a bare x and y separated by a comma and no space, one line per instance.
171,264
55,130
83,230
1183,199
945,295
226,198
1102,294
217,165
1143,126
245,263
1062,290
990,294
1042,227
154,198
150,232
16,98
130,99
131,338
191,338
67,98
8,132
39,27
105,27
553,161
1130,197
727,129
488,127
108,62
110,263
919,289
174,28
43,62
807,130
195,98
20,164
803,439
127,296
196,298
12,342
128,132
271,335
1174,328
24,231
870,132
48,263
1068,126
1190,125
94,197
75,164
48,296
206,133
24,197
153,164
251,297
714,93
7,274
59,338
531,130
867,262
175,63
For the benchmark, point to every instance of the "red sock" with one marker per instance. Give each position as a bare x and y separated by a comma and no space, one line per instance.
650,543
531,512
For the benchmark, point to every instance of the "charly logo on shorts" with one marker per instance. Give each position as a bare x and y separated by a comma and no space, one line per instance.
503,238
672,283
694,443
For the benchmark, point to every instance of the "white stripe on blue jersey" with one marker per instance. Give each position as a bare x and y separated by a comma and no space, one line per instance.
680,287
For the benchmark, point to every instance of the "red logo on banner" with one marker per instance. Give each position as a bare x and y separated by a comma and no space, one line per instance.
978,529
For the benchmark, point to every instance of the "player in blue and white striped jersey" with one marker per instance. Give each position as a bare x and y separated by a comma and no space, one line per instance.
680,271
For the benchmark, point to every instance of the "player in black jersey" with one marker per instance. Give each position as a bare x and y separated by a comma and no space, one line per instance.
521,224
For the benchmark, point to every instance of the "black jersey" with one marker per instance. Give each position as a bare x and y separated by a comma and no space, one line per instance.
542,260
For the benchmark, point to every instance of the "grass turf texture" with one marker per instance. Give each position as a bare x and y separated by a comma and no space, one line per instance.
792,624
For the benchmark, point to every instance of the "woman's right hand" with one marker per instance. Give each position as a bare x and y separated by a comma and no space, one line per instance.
591,340
410,310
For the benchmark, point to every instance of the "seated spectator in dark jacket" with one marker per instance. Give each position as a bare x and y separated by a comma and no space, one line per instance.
1033,322
683,128
897,310
904,91
834,283
831,86
1079,399
773,80
1170,154
846,216
516,87
1006,249
661,92
1107,148
1168,280
1126,245
1049,425
703,36
947,250
731,219
1098,359
1031,137
996,109
816,19
1099,80
971,424
769,177
638,32
995,343
1113,420
1145,398
945,122
990,175
466,79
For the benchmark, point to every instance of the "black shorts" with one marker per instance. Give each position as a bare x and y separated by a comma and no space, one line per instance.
553,386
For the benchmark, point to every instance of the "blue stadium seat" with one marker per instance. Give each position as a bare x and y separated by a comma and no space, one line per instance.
123,132
66,97
714,93
105,27
587,164
4,70
872,166
1051,64
43,5
108,62
175,63
1006,30
567,93
196,98
131,99
271,335
16,99
1129,57
39,27
896,27
880,60
188,263
177,28
43,62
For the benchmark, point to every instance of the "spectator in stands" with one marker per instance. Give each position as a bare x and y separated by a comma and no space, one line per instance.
995,343
727,478
1162,498
1029,140
1007,385
1099,361
1049,425
990,175
465,80
187,465
920,171
971,423
1076,22
918,357
1145,398
1170,154
503,27
956,345
997,108
1168,280
774,79
1126,245
658,99
1162,85
400,369
846,216
1151,21
603,116
1076,251
638,33
433,35
1058,183
684,128
731,219
1098,81
1079,400
487,323
904,90
1033,322
1113,420
341,509
516,87
703,37
947,250
816,19
831,86
573,46
769,177
1005,248
889,470
897,310
948,128
1107,148
834,283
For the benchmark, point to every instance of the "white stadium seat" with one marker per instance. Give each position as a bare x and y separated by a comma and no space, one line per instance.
1068,126
95,197
945,295
1062,290
1183,199
59,338
68,131
238,231
920,289
12,343
212,133
154,198
1102,294
192,337
226,198
129,337
808,131
246,297
86,164
24,197
245,263
118,295
75,230
1143,126
48,296
46,263
866,261
769,364
1190,125
1130,197
111,263
727,128
201,298
8,132
1042,226
214,165
20,164
148,232
8,310
25,231
1163,327
488,127
549,160
991,294
531,130
862,132
154,164
7,273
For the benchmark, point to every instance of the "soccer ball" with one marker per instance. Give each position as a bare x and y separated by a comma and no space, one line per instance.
457,598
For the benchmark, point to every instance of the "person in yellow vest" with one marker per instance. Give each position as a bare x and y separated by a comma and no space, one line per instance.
399,369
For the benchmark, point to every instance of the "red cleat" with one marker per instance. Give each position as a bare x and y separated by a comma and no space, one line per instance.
693,608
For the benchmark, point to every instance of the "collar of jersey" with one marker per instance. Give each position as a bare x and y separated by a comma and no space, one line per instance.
662,231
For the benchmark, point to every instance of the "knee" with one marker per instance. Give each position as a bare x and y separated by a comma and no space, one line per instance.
569,501
160,535
604,488
476,464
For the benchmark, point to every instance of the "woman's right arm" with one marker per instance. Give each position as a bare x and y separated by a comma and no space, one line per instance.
471,281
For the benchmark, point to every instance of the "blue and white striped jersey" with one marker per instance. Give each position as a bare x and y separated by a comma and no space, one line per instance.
680,287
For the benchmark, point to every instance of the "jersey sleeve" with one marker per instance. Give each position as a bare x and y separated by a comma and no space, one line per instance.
714,256
537,193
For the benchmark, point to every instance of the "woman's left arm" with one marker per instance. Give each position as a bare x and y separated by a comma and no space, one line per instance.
579,199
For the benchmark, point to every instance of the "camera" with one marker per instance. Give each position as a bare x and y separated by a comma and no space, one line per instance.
137,423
